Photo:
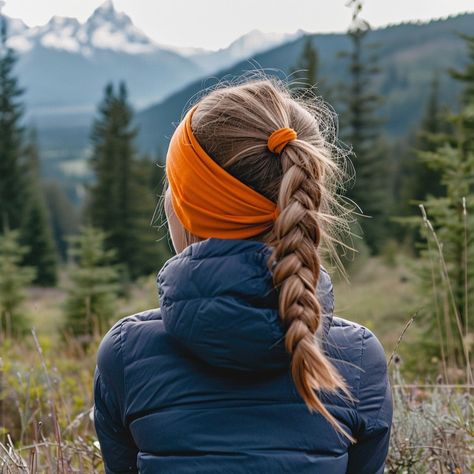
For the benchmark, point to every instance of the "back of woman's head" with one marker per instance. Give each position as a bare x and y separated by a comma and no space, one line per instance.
233,124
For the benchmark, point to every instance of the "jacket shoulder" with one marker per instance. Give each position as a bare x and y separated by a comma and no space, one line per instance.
361,341
361,358
109,353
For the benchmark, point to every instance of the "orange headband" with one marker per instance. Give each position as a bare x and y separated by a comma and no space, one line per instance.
208,200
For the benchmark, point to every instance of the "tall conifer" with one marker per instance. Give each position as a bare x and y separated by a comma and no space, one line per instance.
120,201
36,230
446,271
12,176
21,202
362,131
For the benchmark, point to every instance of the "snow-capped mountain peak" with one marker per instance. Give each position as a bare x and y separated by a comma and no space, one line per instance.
111,30
256,41
107,7
106,28
59,33
57,22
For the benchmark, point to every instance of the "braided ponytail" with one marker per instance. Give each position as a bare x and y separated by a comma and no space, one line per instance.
232,124
296,272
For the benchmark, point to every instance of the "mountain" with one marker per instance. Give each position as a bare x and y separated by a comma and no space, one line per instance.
409,55
106,28
244,47
65,64
65,84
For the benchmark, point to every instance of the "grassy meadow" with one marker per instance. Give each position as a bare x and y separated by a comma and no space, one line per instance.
46,380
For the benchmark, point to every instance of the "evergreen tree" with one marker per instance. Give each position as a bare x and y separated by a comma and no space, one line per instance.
120,202
35,231
14,279
415,179
426,180
64,216
446,270
307,76
467,75
12,177
362,131
306,72
465,118
21,203
92,291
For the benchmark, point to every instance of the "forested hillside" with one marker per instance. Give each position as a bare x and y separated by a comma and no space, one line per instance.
409,56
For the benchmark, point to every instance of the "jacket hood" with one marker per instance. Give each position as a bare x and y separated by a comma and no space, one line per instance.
218,301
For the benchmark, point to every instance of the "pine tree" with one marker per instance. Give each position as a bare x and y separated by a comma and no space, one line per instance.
92,290
427,181
362,131
306,72
306,75
467,75
12,176
64,216
14,279
35,230
446,270
21,203
120,202
415,179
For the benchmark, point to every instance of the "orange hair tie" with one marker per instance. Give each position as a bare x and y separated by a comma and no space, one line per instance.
207,199
280,138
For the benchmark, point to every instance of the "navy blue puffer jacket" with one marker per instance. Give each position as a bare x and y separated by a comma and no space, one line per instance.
202,385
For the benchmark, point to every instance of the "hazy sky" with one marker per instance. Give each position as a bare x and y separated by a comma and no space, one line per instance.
215,23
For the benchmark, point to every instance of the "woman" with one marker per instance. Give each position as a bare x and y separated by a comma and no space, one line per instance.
244,368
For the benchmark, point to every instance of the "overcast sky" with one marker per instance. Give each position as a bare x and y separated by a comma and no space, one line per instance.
214,24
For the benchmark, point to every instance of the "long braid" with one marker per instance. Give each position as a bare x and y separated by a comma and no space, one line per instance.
296,272
233,125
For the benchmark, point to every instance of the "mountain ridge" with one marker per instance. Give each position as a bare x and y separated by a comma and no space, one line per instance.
65,64
410,53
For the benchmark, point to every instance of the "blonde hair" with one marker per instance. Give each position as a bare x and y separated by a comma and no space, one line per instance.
232,123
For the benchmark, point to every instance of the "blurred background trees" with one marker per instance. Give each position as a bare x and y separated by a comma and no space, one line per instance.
409,130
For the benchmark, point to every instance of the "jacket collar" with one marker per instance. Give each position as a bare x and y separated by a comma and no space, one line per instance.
217,299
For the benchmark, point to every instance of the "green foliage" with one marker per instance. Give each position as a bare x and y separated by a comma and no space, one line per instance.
466,77
426,180
64,216
14,279
121,201
12,177
446,271
45,404
21,202
361,130
432,430
416,179
92,290
35,229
